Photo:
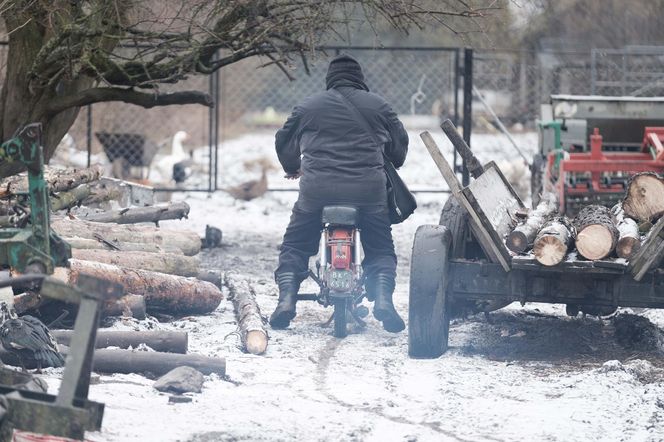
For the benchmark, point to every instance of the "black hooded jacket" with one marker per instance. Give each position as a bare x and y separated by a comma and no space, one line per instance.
340,162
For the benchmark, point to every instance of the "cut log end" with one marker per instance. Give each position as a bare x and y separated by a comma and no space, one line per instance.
595,242
517,242
645,197
627,247
256,342
549,251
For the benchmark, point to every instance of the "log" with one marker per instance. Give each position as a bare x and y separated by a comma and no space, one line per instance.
58,180
124,192
156,363
128,306
156,262
212,276
553,241
70,198
152,214
644,199
165,341
524,234
103,244
249,320
187,241
629,239
28,301
163,293
133,361
101,194
596,235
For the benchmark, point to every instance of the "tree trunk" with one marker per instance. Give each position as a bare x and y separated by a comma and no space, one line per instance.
21,103
163,293
553,241
101,244
524,234
212,276
629,239
28,301
69,199
596,235
129,305
102,193
187,241
156,262
249,320
644,200
165,341
58,180
152,214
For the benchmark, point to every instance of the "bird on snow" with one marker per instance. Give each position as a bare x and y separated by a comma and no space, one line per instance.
254,188
172,165
28,337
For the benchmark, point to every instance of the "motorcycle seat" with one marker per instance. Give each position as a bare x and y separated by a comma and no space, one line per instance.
340,215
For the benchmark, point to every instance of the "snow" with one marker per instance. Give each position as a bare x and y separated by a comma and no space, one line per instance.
527,374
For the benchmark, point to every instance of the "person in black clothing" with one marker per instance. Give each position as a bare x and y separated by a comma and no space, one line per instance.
339,162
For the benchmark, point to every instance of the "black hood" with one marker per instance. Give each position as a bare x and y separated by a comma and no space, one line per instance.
344,70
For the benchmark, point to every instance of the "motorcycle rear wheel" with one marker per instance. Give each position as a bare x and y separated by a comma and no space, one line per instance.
340,319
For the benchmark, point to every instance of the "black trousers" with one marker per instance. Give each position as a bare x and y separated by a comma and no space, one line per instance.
302,238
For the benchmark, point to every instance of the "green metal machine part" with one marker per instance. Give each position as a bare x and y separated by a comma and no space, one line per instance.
35,249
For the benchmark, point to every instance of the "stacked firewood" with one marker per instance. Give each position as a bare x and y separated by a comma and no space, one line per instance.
113,229
597,232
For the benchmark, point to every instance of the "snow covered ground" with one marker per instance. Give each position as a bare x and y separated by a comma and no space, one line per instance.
524,374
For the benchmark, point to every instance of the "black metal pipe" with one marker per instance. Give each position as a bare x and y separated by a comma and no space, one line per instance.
467,106
217,104
89,133
21,281
210,132
457,75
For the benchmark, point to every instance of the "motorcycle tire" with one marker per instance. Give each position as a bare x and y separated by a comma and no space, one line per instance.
340,319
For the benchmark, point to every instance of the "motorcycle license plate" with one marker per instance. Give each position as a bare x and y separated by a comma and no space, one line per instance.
341,280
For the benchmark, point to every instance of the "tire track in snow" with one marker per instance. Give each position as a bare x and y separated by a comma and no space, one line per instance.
326,355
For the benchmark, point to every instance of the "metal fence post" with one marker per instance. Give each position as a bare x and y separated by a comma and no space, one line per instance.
457,74
467,105
88,133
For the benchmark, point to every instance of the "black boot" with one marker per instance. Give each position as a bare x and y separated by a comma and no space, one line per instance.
384,309
289,284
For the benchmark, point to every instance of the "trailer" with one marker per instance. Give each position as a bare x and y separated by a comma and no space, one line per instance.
462,265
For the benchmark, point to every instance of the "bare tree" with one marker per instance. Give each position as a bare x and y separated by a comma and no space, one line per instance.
64,54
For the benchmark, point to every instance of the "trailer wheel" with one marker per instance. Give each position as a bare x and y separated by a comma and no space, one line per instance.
428,315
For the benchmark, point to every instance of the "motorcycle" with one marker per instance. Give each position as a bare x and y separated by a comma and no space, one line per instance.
339,270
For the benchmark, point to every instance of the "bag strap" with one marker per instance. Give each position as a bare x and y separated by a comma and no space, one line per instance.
362,120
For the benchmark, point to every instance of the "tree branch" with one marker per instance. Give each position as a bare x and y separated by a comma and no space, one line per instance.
146,100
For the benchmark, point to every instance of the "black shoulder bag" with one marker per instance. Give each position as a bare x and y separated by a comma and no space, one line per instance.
401,202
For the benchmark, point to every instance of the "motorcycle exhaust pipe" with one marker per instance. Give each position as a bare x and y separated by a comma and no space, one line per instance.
358,250
323,249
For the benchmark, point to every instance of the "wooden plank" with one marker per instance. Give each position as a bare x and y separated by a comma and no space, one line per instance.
443,166
488,243
651,252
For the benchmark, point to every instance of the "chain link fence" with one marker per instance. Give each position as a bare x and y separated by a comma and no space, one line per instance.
423,85
416,82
